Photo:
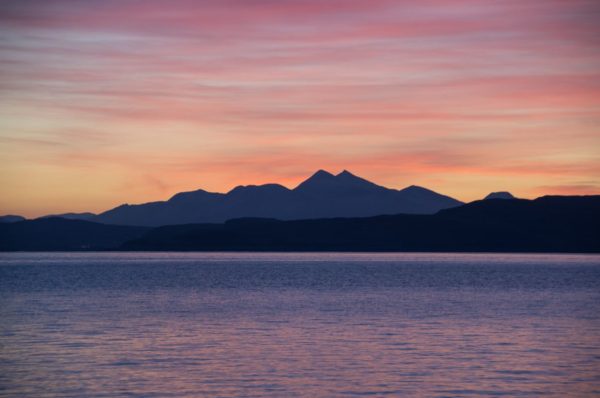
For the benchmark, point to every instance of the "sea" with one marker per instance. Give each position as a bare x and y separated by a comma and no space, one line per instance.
299,325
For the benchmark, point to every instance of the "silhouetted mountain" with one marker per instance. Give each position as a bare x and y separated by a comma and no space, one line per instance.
547,224
73,216
10,218
323,195
61,234
500,195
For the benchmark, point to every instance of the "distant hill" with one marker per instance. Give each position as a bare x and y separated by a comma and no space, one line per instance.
54,234
547,224
73,216
323,195
500,195
11,218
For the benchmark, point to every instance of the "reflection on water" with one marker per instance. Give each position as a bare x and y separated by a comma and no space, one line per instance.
222,324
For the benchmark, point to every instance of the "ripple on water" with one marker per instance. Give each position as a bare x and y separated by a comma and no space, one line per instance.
298,325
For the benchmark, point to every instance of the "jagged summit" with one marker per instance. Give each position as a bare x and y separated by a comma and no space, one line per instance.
323,181
348,176
345,173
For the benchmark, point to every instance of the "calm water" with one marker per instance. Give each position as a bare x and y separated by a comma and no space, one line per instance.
285,325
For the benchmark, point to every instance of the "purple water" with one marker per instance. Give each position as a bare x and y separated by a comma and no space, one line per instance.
306,325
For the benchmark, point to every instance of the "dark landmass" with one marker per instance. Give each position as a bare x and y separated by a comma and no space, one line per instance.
500,195
323,195
9,218
57,234
547,224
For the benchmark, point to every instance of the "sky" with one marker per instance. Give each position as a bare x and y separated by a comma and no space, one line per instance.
104,102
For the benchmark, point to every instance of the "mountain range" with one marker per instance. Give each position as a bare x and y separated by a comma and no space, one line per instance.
323,195
325,212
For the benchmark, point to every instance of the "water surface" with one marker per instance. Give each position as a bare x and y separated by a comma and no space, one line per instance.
309,325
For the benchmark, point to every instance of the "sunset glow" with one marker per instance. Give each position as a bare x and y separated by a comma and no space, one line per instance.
107,102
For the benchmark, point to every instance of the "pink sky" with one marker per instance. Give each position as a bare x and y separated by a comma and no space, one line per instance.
105,102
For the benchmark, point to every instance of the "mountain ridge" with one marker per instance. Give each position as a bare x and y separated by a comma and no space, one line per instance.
322,195
10,218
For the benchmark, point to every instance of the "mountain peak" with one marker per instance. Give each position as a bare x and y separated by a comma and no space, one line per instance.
348,179
321,174
181,195
345,173
321,177
416,189
499,195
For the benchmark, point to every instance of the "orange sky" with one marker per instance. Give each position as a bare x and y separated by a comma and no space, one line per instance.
106,102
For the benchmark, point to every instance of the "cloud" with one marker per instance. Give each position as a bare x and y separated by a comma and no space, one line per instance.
569,189
180,94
